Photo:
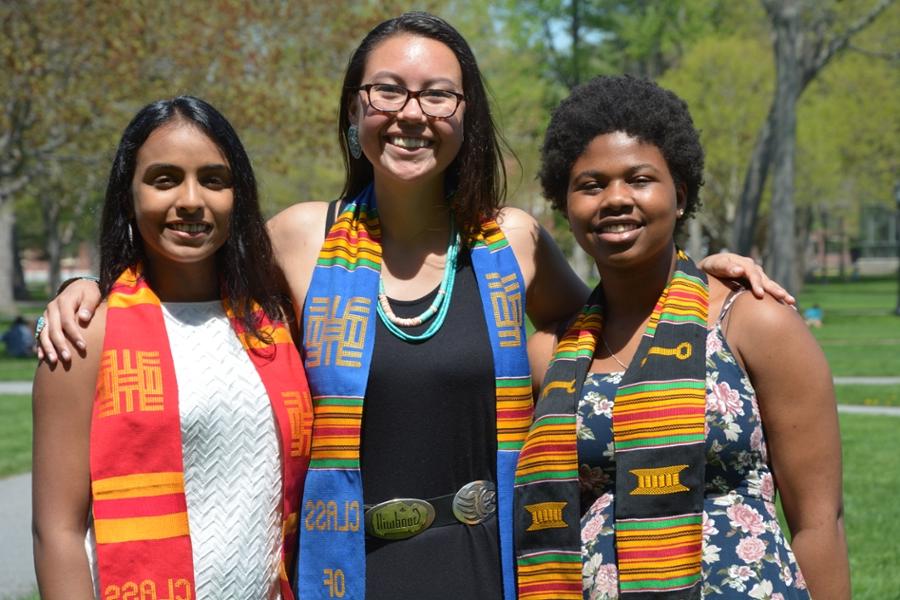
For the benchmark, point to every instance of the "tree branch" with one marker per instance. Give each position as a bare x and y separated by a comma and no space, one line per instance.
829,50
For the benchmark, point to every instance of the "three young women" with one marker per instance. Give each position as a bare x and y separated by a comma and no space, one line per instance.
413,291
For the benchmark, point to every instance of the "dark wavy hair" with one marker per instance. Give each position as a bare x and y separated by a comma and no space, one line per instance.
636,106
246,265
477,174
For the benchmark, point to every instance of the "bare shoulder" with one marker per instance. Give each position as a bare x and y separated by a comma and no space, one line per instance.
518,226
299,222
79,377
297,234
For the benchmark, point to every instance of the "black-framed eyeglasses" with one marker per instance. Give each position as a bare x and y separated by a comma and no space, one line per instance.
389,97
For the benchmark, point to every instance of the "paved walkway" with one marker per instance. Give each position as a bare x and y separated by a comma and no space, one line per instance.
16,562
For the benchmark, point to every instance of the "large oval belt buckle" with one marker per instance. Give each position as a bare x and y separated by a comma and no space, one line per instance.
475,502
399,518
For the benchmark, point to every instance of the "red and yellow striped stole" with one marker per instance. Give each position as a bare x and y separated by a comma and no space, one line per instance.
659,436
137,481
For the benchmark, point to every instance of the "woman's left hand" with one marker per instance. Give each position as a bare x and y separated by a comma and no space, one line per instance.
734,266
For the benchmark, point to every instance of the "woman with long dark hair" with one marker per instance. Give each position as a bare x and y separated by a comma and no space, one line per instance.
176,450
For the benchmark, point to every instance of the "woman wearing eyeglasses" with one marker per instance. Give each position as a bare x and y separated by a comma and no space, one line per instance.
413,290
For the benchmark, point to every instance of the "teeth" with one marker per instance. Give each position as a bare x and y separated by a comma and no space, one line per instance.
409,142
618,228
189,227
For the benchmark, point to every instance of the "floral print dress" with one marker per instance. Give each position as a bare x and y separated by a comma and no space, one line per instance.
745,553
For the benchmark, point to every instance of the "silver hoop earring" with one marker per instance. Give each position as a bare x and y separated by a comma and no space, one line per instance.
353,141
130,236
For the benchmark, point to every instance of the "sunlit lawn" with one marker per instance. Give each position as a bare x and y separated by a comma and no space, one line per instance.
860,334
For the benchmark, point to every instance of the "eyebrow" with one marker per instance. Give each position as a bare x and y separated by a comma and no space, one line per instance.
600,174
202,168
428,82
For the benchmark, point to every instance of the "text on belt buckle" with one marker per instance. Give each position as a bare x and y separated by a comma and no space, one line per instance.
399,518
475,502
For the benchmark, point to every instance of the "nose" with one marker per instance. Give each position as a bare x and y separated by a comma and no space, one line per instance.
617,196
190,200
412,110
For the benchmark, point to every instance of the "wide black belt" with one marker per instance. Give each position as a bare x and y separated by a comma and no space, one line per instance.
402,518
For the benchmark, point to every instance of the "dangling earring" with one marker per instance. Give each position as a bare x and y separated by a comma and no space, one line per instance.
130,236
353,141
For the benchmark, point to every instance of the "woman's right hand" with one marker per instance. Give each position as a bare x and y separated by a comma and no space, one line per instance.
77,303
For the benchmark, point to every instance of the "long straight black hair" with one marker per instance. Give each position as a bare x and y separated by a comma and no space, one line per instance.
477,174
246,265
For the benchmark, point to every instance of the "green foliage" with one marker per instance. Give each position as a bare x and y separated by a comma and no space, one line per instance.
727,83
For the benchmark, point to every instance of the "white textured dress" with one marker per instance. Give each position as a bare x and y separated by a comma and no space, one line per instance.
232,464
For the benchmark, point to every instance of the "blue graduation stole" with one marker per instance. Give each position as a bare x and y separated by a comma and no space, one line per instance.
338,339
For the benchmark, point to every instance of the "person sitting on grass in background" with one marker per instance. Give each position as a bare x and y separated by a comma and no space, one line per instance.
19,339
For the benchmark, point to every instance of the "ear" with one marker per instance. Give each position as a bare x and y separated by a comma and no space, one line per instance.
354,108
680,198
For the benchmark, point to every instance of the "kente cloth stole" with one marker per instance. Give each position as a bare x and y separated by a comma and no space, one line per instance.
339,335
137,472
659,436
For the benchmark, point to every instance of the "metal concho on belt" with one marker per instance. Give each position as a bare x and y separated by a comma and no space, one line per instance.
403,518
399,518
475,502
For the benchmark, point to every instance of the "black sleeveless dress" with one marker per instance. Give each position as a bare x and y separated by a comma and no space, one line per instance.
429,427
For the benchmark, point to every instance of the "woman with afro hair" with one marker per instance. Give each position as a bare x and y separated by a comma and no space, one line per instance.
673,407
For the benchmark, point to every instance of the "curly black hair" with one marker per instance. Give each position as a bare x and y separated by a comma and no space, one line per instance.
636,106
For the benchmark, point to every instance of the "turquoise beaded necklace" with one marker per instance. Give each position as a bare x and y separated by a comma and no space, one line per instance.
438,308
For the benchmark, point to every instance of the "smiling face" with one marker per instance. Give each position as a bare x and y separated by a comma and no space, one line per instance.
407,145
182,191
622,201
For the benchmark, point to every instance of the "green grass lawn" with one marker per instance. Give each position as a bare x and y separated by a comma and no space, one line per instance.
860,334
868,395
15,435
871,484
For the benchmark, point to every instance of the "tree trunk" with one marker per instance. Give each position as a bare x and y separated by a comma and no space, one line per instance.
782,253
811,55
747,210
7,252
20,287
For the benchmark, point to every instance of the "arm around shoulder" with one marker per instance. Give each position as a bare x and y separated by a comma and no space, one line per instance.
796,399
554,291
62,402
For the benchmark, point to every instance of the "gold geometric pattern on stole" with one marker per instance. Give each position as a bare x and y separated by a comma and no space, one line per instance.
335,331
568,386
546,515
682,351
506,300
300,414
658,481
137,374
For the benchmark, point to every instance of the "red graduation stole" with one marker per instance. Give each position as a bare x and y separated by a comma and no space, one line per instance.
137,473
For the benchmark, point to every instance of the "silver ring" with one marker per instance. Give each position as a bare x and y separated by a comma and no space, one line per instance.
39,327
